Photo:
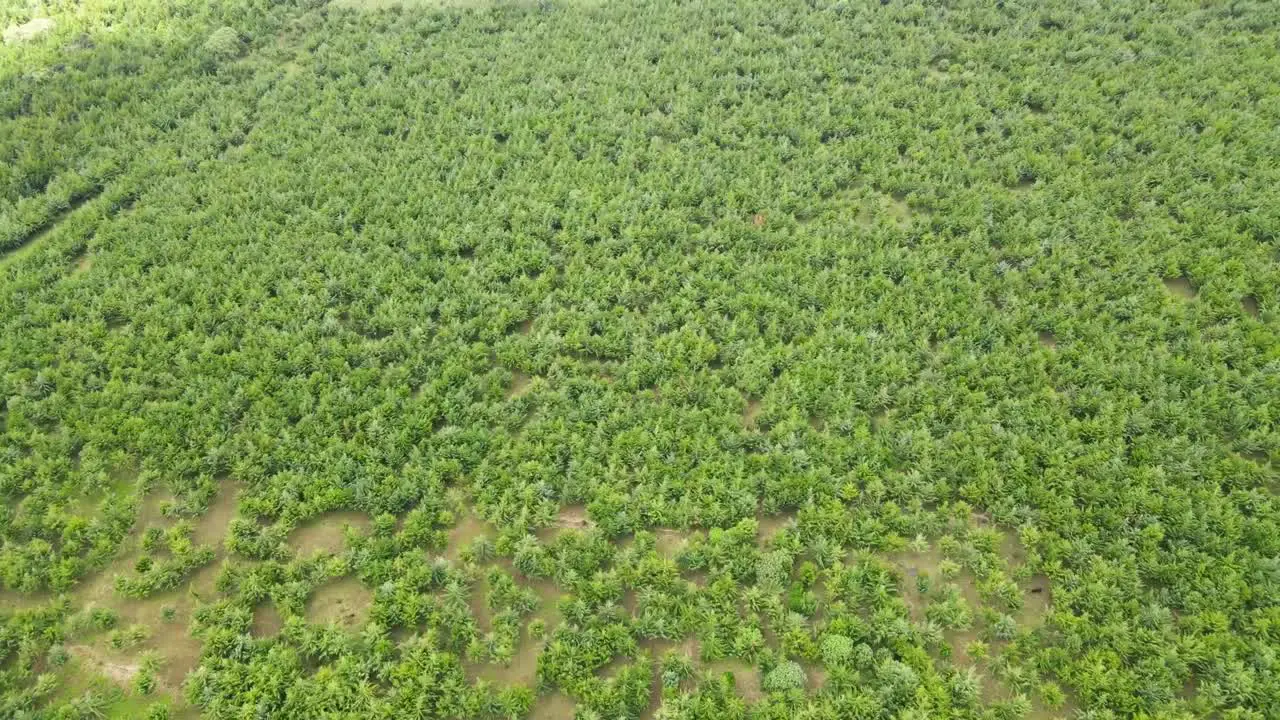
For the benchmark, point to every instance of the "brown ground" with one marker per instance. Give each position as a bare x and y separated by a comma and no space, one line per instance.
746,678
554,706
770,525
326,534
266,620
27,31
344,601
519,385
1180,286
751,412
83,264
468,528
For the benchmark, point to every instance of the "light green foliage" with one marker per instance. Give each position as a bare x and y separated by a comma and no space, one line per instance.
1004,628
531,558
129,637
144,680
104,618
950,610
223,44
676,668
748,643
58,656
964,687
1052,694
837,650
787,675
168,559
644,336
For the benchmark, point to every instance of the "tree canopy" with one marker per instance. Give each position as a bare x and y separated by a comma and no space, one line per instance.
799,359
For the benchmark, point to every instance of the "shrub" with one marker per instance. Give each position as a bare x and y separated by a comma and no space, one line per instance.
787,675
223,44
836,651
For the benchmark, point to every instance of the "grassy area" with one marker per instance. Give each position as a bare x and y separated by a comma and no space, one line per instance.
639,359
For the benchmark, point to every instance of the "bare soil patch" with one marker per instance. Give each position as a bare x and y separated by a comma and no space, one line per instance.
746,678
668,541
266,620
468,528
770,525
816,675
211,527
117,670
82,265
1181,286
166,614
554,706
27,31
570,517
913,564
573,517
344,601
751,412
896,207
523,667
1249,304
519,385
327,534
1037,600
170,636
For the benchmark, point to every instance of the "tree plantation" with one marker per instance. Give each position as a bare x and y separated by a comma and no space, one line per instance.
620,359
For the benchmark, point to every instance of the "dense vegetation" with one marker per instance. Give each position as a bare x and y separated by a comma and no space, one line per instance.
799,359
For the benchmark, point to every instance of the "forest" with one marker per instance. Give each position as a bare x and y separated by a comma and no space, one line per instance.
622,359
